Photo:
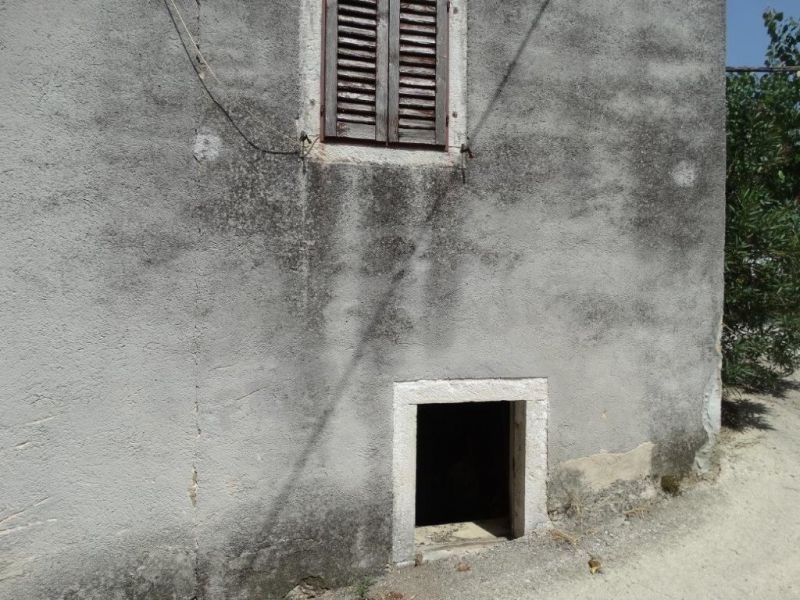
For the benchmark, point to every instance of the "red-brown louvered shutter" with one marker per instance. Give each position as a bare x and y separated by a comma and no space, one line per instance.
418,66
356,63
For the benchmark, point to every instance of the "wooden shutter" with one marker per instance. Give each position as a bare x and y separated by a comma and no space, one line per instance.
356,69
418,65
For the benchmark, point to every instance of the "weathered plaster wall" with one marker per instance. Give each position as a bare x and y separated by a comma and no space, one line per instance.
199,343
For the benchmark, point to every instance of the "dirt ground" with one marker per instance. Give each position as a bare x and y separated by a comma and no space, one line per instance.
736,536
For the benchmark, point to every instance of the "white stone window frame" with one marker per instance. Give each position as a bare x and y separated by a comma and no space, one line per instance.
529,447
310,120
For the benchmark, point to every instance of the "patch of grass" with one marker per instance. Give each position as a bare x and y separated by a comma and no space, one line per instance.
361,589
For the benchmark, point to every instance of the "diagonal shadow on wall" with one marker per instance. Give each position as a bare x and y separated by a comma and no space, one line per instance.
473,135
369,333
280,500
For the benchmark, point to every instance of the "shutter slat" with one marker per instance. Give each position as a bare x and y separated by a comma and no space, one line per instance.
353,53
357,32
350,117
414,60
421,71
417,29
358,10
359,86
424,40
417,123
417,82
357,21
408,17
361,65
429,9
356,107
357,43
368,98
419,102
362,75
414,49
417,113
419,92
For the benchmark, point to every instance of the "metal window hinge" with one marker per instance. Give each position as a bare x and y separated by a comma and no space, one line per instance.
466,152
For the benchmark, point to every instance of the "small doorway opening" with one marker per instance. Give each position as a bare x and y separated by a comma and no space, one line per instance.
463,487
518,430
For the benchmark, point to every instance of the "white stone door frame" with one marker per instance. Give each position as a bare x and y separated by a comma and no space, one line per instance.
528,441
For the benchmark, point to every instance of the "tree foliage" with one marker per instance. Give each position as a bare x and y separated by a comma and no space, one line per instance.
761,334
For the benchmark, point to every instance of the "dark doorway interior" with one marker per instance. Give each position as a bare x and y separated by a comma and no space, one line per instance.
462,462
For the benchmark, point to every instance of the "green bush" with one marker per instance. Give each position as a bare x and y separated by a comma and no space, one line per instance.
761,334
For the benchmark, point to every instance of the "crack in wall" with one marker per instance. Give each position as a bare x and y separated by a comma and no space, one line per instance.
18,528
194,486
22,511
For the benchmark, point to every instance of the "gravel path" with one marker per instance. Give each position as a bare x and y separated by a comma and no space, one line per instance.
735,537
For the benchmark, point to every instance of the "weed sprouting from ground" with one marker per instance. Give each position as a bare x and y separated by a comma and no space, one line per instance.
361,589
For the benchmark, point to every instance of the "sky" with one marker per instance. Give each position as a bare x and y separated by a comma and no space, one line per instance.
747,38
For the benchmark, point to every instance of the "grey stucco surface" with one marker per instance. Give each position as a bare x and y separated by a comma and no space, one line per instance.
165,315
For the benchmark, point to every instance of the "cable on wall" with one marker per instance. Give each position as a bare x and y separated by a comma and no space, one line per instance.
302,153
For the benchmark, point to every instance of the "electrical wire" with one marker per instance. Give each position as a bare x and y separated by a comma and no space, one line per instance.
211,95
780,69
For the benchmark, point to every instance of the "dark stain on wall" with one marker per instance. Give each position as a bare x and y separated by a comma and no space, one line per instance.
383,254
326,542
150,245
599,317
389,197
389,212
655,43
259,196
160,569
139,254
321,224
674,453
442,292
664,217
